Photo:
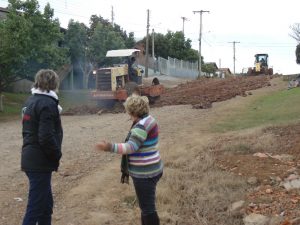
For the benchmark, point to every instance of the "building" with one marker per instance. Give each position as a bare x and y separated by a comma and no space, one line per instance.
3,12
224,72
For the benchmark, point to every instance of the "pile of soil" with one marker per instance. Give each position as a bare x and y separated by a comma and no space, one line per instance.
203,92
198,93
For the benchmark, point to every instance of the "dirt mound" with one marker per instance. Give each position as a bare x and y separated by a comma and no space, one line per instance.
203,92
198,93
279,161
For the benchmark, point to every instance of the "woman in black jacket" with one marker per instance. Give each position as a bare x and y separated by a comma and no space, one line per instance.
41,151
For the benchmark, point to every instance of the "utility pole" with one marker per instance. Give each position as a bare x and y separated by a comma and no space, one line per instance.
112,16
183,20
147,46
234,42
153,55
200,37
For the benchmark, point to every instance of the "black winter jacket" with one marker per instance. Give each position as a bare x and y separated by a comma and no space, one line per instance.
42,134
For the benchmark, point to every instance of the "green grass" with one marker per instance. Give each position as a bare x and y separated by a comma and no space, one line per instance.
278,108
13,102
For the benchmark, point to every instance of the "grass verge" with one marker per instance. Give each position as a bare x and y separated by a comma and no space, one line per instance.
13,102
277,108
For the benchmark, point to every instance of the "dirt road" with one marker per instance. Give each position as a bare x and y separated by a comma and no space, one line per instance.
87,189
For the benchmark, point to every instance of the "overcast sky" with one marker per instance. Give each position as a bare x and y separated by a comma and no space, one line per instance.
261,26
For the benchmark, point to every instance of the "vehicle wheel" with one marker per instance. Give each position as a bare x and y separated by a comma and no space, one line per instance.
249,72
106,103
270,71
132,87
263,71
152,99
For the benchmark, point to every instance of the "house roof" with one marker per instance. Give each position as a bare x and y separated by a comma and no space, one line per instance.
226,70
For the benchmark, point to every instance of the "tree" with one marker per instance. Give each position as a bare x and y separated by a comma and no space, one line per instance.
173,45
296,32
298,54
29,41
104,38
77,41
209,68
129,39
296,35
161,45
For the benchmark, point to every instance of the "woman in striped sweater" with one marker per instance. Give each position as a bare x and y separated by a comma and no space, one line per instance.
143,159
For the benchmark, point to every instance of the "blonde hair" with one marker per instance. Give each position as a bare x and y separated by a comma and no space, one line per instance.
137,105
46,80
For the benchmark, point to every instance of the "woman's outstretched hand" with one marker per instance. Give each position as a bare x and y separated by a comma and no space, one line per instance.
103,146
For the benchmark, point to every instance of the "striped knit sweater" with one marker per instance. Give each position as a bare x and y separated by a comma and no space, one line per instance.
142,148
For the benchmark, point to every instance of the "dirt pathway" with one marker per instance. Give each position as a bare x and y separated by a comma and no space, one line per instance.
86,188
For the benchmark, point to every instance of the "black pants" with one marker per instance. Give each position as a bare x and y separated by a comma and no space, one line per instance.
145,189
40,200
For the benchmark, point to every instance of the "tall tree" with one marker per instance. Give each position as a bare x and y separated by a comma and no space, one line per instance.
104,38
128,39
298,54
295,32
173,45
161,45
77,41
296,35
29,41
209,68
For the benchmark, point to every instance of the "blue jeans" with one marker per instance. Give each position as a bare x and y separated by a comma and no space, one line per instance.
145,189
40,200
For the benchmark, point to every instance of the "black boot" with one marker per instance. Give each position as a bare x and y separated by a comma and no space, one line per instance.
151,219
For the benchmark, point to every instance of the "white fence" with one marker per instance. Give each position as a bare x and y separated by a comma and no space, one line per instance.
177,68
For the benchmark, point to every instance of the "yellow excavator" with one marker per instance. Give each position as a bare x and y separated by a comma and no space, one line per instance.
261,66
119,81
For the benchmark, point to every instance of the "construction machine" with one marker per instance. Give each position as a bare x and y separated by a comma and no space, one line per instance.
116,83
261,66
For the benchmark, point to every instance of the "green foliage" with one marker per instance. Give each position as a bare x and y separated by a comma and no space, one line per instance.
298,54
29,41
102,40
277,108
12,105
76,39
103,37
173,45
209,68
